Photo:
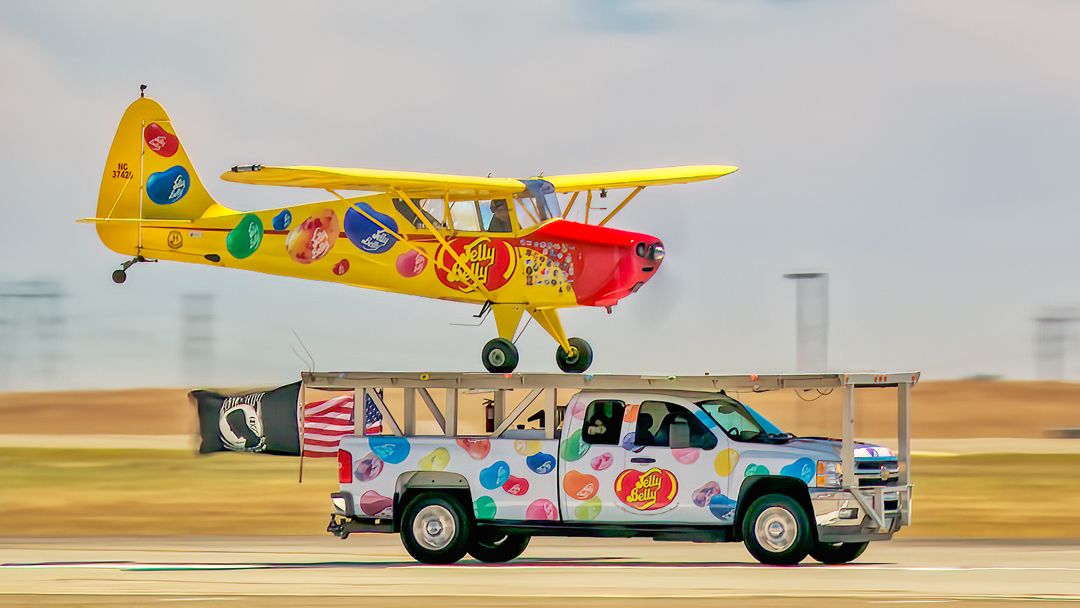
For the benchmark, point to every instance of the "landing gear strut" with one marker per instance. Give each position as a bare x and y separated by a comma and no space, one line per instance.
120,275
500,356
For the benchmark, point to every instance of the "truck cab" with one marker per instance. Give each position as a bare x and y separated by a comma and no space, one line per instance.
666,463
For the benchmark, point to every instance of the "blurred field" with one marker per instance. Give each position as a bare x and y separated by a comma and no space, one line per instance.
91,492
945,409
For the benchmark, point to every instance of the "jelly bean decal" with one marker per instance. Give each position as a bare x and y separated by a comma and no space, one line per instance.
802,468
573,447
341,267
580,486
630,414
314,237
686,455
517,486
578,411
411,263
495,475
721,507
541,463
368,468
526,448
282,220
755,469
477,449
243,240
704,494
725,462
366,234
168,186
601,462
435,461
646,490
589,509
542,510
373,503
629,442
159,140
484,507
393,450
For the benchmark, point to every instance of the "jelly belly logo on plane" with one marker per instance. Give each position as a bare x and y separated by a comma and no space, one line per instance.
646,491
159,140
480,260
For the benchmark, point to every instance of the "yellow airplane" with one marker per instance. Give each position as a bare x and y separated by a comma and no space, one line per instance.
503,243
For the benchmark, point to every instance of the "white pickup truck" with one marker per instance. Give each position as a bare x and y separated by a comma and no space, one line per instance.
651,459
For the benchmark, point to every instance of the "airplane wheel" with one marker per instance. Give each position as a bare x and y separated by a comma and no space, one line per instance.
577,360
119,276
500,356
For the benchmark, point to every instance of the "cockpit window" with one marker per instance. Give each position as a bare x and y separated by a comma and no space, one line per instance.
538,203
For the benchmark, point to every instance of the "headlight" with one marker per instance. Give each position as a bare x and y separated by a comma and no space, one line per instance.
828,474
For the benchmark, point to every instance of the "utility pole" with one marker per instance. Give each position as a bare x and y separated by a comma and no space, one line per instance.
31,333
197,338
1052,336
811,321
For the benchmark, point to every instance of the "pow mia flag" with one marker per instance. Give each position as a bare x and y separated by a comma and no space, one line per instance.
265,422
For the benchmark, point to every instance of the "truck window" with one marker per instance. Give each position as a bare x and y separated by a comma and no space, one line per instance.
655,418
603,422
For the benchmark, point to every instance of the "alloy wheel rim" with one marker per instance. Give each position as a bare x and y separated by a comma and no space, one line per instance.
434,527
776,529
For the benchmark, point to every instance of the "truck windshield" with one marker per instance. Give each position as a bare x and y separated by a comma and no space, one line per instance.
741,422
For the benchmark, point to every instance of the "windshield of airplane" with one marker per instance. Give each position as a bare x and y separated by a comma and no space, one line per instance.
538,203
741,422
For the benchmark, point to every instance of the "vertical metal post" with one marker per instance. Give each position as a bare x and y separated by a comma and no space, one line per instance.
410,411
549,413
500,406
358,395
903,431
451,412
847,449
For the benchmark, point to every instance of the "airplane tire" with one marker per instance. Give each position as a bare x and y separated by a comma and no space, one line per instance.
500,356
119,276
579,361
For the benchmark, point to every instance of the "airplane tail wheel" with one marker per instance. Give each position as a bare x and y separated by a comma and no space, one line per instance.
577,360
500,356
119,276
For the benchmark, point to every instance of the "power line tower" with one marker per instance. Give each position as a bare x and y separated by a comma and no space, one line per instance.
197,338
1053,335
811,321
31,333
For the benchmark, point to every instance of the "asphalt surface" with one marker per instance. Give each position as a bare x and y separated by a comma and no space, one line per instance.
305,571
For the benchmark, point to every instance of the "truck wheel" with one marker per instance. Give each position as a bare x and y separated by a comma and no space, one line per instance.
495,546
776,530
837,553
435,529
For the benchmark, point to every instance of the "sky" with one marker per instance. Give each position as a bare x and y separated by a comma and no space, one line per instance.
922,153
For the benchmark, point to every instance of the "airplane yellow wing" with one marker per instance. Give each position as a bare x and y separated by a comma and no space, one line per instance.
416,185
638,178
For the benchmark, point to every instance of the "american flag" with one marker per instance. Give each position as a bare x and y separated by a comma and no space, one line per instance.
325,422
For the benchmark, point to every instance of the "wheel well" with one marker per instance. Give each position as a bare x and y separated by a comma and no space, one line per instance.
756,486
411,483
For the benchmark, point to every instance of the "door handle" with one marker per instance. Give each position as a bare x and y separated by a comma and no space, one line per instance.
642,460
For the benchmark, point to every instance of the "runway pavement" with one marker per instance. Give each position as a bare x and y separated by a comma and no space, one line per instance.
305,571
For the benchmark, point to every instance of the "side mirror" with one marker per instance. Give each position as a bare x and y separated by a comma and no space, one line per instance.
678,434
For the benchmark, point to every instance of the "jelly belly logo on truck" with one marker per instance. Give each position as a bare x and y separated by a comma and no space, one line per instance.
646,491
490,263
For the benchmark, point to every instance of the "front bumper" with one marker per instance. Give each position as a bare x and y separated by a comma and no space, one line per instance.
859,515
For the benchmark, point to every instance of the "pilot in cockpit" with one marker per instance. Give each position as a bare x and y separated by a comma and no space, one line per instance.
500,217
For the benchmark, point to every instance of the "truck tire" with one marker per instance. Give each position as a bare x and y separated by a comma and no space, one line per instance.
494,546
837,553
777,531
435,528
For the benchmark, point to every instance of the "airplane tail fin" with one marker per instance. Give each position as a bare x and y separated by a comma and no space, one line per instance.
148,177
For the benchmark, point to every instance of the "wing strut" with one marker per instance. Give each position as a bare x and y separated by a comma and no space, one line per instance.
628,198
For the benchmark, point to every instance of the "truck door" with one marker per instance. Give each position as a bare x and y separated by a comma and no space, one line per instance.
590,458
668,474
